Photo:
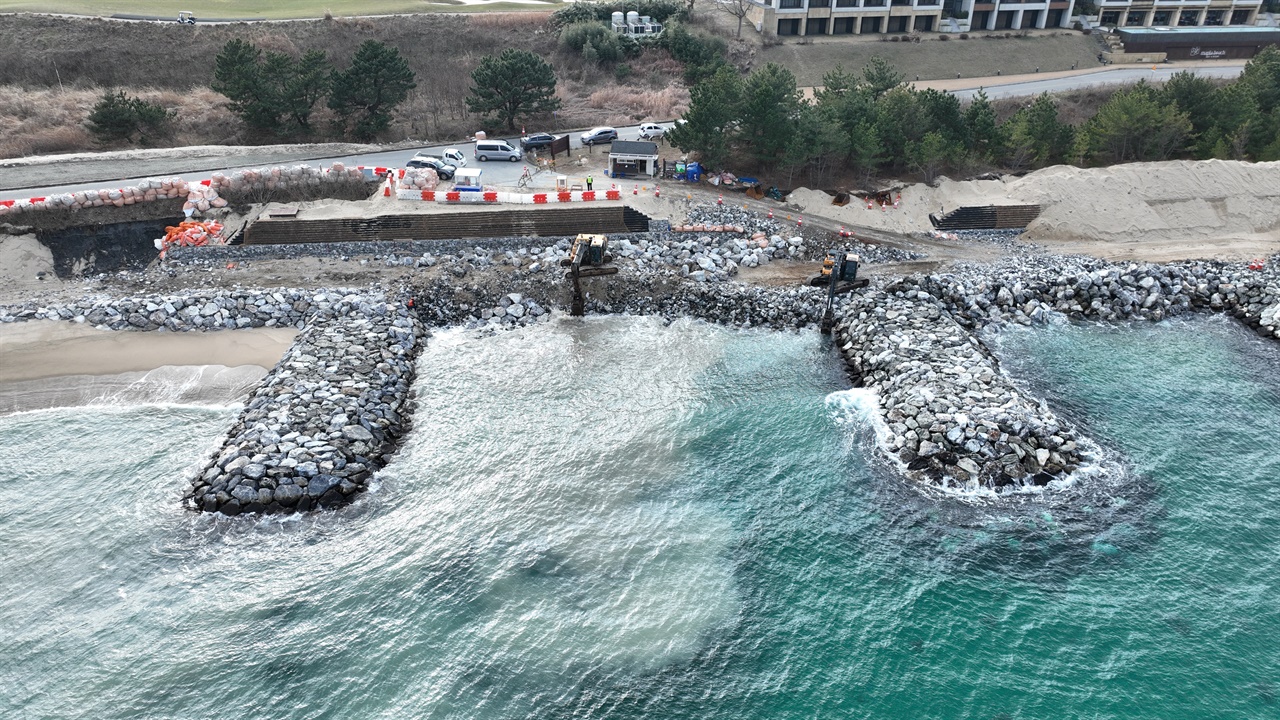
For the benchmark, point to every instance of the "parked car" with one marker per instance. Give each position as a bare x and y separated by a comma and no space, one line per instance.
487,150
450,156
599,135
442,168
537,141
652,131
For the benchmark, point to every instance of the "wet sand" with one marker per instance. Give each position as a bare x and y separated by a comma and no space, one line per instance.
52,364
35,350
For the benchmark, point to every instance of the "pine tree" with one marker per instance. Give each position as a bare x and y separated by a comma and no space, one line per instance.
766,118
984,136
238,74
707,125
514,84
364,95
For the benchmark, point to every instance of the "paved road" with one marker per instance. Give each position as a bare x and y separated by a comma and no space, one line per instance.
496,173
994,89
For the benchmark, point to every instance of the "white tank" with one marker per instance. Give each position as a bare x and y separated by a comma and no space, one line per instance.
633,17
617,18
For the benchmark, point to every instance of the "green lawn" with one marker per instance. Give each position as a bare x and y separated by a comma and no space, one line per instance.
279,9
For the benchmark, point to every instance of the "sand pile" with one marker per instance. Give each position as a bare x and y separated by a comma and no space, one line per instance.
22,258
1182,200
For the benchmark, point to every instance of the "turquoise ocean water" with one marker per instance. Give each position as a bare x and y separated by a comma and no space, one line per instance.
619,519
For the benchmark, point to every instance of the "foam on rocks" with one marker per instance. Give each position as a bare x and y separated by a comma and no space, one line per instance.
327,417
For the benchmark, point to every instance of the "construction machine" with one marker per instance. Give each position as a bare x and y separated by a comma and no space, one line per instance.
592,251
840,275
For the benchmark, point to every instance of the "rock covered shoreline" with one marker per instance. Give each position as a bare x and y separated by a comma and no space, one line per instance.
331,411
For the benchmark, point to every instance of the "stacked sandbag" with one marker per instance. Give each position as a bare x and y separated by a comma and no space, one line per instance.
200,197
419,179
191,234
283,178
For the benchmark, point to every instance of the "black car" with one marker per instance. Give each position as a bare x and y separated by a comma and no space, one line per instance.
445,171
536,141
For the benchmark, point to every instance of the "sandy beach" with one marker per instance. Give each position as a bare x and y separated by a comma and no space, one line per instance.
50,364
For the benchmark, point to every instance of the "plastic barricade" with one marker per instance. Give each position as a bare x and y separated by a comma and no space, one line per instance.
490,196
589,195
429,195
613,194
564,196
539,198
453,196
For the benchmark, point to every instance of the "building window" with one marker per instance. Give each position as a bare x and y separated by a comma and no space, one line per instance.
1188,18
1161,18
790,5
816,26
925,3
1110,17
846,3
871,25
1135,18
789,27
872,3
819,3
1241,17
924,23
901,2
843,26
1214,17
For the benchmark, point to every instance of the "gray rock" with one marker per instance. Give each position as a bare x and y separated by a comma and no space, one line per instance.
287,494
357,433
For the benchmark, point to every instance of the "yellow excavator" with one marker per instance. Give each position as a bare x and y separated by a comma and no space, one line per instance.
593,251
840,275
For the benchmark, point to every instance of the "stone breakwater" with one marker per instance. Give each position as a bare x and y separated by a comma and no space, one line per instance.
953,419
1029,290
324,419
476,303
199,310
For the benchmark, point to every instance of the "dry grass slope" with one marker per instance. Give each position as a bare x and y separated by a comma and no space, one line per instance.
50,78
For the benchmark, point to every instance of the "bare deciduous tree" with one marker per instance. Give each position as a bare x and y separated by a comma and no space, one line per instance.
736,8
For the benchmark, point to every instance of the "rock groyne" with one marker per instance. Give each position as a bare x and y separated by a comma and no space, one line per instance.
953,419
324,419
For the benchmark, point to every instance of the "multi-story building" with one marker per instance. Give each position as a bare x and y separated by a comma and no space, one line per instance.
1014,15
845,17
1177,13
858,17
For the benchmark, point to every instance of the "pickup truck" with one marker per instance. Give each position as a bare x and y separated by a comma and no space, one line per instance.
450,156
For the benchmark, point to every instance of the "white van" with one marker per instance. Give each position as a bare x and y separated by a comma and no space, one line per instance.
497,150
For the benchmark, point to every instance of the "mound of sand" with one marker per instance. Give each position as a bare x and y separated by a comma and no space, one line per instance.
1181,201
22,258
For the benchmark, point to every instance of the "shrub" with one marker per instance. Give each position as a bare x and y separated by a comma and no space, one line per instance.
118,117
944,37
605,45
893,38
622,71
964,36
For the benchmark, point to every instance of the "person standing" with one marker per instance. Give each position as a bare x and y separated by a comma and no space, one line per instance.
588,182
